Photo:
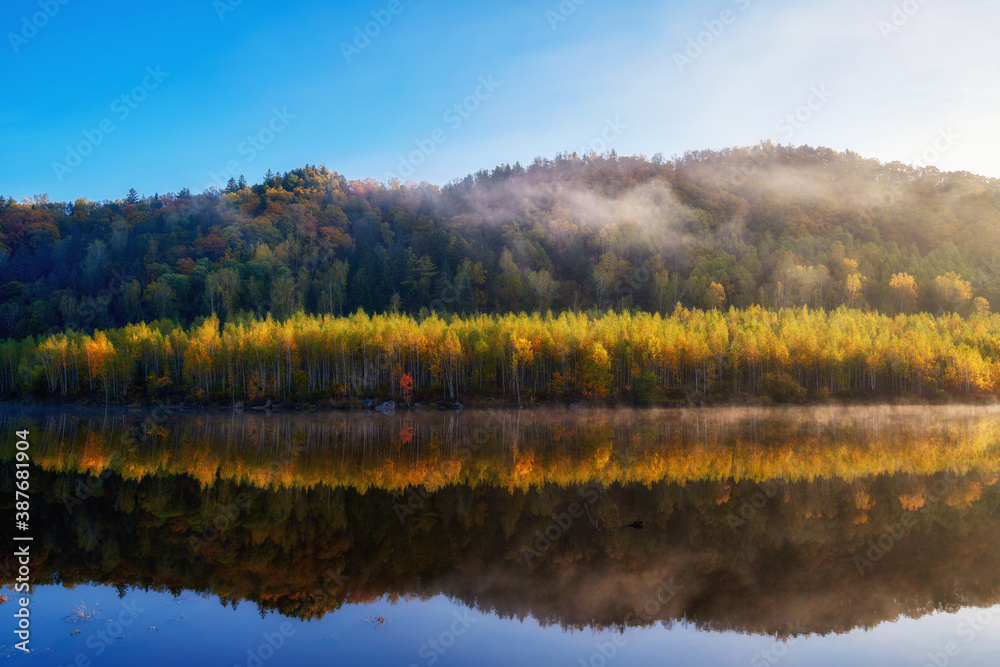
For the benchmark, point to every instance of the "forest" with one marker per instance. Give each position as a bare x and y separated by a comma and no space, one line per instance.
791,355
792,272
771,225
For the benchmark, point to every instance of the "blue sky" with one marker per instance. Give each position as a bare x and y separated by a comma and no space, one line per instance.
162,96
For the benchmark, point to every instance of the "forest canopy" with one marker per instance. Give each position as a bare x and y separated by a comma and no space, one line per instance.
775,226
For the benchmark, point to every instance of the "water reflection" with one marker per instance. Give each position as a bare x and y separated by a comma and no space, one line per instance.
515,449
779,523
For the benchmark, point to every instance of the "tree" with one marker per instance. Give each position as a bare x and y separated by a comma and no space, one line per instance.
161,296
508,283
335,287
469,278
211,290
661,289
854,282
11,313
421,276
131,301
523,354
952,292
544,287
717,295
904,288
284,296
97,253
406,387
609,273
100,354
597,371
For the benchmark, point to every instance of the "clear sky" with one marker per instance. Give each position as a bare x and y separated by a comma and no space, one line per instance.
100,97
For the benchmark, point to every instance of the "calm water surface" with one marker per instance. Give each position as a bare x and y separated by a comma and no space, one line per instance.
814,536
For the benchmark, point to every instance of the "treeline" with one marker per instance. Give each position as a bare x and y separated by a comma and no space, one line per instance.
790,355
771,225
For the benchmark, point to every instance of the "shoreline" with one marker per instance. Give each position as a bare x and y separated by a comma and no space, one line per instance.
457,406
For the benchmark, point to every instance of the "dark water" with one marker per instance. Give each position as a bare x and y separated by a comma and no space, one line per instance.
807,536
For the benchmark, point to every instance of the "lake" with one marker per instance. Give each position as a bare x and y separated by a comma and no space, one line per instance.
792,536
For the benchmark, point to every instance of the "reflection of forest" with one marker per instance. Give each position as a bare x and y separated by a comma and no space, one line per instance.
758,556
515,449
789,565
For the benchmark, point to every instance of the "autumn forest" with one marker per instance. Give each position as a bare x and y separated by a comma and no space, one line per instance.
791,274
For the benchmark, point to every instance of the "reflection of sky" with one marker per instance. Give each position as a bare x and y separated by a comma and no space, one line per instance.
199,631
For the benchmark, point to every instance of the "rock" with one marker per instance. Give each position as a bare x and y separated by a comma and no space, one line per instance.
575,406
368,403
387,408
458,406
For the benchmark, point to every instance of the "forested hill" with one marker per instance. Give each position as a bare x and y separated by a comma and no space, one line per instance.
769,225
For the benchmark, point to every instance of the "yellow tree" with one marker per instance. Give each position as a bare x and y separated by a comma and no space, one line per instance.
523,355
100,357
201,350
717,295
597,373
952,292
904,288
854,282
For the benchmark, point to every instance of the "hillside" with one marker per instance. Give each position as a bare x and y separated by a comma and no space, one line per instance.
771,225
